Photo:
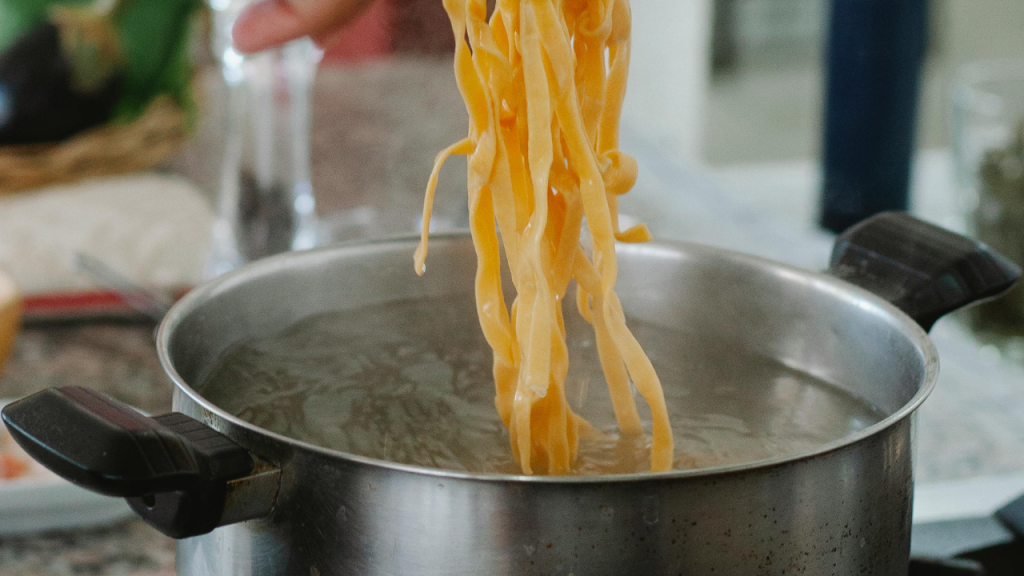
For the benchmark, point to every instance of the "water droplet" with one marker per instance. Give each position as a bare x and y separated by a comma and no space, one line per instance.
530,549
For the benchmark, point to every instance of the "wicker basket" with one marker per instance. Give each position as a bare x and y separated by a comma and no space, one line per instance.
103,151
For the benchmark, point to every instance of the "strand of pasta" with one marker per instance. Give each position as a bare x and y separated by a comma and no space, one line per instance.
599,222
544,82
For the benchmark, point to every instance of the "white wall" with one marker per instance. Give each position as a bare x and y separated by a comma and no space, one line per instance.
980,29
669,77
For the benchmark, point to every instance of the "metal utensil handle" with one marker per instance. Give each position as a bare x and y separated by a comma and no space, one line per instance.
147,302
173,470
922,269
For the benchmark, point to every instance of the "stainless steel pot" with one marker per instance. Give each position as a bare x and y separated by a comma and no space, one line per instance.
245,501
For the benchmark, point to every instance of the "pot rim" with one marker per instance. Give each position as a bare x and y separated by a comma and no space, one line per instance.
187,304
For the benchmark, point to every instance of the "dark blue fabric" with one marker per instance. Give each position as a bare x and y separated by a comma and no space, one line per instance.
875,54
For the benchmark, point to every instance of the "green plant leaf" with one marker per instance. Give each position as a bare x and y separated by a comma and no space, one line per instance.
155,37
19,16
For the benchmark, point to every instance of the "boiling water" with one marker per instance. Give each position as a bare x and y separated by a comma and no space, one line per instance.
410,382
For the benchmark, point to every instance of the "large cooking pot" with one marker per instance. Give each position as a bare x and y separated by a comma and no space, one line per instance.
246,501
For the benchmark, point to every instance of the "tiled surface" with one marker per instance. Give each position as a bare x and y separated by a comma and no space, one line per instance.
130,549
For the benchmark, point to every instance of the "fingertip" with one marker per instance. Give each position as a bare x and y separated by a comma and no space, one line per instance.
242,38
263,25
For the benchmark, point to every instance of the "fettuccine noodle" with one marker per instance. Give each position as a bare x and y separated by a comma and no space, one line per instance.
544,82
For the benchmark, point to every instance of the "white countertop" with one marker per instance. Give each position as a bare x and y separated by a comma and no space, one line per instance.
788,193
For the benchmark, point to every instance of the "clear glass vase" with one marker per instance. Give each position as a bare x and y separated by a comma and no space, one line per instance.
264,199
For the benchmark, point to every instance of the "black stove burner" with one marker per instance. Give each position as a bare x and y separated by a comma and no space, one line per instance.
990,546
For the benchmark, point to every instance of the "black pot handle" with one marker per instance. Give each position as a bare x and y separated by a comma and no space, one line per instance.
174,471
922,269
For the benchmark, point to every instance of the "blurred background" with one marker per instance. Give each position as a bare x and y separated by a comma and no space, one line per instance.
140,154
768,65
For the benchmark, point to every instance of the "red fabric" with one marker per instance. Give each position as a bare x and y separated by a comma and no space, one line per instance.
79,304
72,301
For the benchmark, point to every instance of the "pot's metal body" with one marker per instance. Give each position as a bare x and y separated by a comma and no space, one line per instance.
843,510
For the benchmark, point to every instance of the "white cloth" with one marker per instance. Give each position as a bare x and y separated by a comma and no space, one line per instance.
152,228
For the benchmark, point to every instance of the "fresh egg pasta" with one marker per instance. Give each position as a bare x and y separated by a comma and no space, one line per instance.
544,82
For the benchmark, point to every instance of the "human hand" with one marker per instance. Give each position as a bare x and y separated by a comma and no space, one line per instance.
269,23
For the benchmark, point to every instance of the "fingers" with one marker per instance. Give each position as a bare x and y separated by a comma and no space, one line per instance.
265,24
329,37
270,23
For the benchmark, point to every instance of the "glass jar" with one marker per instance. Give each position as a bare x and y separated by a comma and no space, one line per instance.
264,202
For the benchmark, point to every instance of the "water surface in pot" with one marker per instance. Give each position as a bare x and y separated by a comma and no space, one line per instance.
409,381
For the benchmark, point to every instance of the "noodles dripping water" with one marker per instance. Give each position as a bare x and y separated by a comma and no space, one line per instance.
544,83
